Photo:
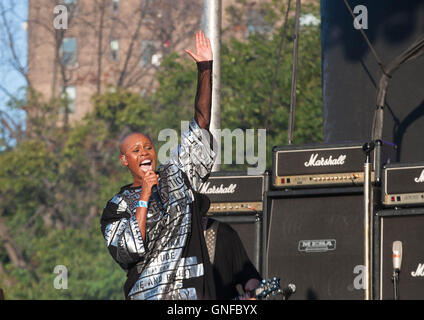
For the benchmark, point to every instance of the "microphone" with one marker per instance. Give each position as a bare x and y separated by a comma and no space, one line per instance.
397,256
397,261
289,290
156,195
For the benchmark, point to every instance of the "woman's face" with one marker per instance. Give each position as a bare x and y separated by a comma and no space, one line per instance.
138,154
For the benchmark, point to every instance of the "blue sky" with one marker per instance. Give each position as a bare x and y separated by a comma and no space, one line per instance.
10,79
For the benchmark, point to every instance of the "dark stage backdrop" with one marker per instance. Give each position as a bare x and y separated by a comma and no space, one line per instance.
351,74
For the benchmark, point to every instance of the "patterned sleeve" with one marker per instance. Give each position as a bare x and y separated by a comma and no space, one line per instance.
194,155
122,233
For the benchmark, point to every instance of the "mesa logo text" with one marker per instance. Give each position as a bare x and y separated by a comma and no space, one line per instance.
233,309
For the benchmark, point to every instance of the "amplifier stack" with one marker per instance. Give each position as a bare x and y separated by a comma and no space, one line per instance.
401,219
315,231
237,199
304,221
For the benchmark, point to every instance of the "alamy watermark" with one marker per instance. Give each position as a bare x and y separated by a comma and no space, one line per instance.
61,280
244,147
361,20
360,280
61,20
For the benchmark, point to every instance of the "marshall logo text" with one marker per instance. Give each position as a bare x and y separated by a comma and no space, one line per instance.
420,179
205,189
322,162
419,272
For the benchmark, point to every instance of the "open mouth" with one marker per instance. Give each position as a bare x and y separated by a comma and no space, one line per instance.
146,165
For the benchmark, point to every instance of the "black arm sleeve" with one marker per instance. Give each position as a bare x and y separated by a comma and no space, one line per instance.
203,100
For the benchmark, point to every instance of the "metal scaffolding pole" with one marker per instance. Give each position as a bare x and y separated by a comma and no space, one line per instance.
212,29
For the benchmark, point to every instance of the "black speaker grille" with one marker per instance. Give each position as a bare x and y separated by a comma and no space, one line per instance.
409,230
248,233
316,242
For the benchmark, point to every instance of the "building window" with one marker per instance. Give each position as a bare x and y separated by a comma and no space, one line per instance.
115,5
114,49
70,98
71,5
149,53
69,52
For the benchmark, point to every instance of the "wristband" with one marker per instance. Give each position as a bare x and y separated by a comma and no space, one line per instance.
142,204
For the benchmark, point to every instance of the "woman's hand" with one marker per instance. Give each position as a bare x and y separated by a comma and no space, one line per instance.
149,180
203,48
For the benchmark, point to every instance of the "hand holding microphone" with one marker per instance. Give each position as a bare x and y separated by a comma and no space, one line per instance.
150,187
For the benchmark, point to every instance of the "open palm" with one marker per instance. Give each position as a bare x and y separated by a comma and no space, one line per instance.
203,48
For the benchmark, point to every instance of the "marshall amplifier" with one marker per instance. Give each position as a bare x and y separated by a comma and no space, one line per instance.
326,165
237,199
403,184
405,225
233,192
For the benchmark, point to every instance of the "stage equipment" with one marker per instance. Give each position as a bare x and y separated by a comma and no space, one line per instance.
315,239
234,192
298,166
237,199
403,184
397,261
365,77
405,225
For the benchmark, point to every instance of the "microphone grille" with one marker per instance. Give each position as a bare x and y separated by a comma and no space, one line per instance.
292,287
397,247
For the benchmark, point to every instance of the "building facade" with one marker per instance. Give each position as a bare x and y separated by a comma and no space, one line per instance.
77,48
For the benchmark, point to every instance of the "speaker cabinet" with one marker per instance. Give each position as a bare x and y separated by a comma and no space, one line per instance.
316,241
238,200
249,230
406,225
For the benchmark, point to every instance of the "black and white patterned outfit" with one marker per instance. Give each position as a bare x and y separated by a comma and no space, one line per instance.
172,262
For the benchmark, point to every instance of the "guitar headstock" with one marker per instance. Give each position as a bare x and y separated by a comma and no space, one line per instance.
268,287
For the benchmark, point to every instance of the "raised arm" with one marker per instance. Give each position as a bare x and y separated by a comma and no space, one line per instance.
203,58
